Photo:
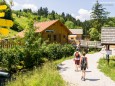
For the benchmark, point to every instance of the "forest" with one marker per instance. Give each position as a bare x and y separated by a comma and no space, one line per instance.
99,18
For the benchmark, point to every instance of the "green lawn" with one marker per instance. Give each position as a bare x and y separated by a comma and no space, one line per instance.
108,70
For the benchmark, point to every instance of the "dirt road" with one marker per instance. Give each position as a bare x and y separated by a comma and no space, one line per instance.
93,76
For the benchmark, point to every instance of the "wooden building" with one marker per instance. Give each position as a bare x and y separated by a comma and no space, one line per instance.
76,36
54,31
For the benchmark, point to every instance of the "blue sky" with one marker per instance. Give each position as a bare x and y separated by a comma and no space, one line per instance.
80,9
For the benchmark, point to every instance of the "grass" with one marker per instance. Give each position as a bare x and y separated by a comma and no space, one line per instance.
23,21
48,75
93,50
108,70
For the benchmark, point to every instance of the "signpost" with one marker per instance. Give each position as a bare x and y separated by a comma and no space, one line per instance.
7,23
108,38
2,14
3,7
4,22
4,31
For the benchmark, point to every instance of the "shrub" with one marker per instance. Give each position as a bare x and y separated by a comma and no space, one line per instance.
11,58
68,50
53,51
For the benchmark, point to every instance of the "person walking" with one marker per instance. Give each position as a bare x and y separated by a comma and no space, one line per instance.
77,60
84,65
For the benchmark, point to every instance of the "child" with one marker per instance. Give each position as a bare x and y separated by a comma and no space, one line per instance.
84,65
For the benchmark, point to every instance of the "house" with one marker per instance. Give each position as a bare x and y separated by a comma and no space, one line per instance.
76,36
53,30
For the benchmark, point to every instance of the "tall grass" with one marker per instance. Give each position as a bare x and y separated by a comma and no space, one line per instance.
108,70
45,76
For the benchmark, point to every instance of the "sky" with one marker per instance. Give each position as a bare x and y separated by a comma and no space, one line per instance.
79,9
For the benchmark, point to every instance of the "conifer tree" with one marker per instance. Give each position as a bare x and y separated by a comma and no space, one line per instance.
99,16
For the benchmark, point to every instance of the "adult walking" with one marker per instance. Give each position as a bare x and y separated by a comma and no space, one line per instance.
77,60
84,65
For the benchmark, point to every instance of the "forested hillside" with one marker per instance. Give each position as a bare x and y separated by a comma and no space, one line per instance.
44,15
21,18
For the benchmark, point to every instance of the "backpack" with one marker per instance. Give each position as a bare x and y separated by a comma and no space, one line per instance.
84,62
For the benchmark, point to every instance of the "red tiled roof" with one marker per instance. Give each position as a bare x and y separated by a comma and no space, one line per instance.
41,26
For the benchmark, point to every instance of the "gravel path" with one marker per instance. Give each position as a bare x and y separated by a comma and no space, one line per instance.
93,76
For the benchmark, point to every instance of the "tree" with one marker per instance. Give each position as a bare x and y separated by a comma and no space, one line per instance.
110,22
33,44
53,14
99,16
86,26
78,22
94,34
27,10
69,24
45,12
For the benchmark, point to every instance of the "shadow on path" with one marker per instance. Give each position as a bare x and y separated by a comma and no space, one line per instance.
61,67
92,79
88,71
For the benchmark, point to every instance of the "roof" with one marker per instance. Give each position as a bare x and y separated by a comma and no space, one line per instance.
41,26
21,34
76,31
108,35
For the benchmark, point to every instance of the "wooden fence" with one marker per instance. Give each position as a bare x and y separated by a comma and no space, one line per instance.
8,43
95,44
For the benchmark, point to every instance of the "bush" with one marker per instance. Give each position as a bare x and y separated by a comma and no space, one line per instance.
57,51
68,50
53,51
11,58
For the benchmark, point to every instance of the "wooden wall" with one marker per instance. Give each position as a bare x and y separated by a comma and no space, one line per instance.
59,33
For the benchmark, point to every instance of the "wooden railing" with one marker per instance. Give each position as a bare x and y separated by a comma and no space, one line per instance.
6,43
84,43
96,44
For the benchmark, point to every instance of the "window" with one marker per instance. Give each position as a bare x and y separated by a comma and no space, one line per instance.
54,37
49,37
72,38
49,31
64,36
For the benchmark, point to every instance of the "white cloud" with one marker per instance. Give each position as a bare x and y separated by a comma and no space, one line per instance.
30,6
16,4
83,14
